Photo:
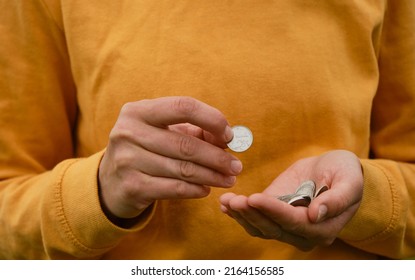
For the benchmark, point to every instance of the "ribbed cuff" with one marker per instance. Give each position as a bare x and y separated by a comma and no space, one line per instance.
376,214
87,224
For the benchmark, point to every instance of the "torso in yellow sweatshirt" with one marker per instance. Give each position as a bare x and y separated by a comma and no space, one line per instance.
305,76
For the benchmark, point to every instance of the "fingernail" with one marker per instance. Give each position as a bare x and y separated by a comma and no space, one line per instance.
322,212
228,134
236,166
231,180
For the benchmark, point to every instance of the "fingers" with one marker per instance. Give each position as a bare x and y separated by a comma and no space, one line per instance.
251,217
187,148
131,197
173,110
259,224
165,148
189,129
292,219
295,220
263,214
158,188
235,214
161,166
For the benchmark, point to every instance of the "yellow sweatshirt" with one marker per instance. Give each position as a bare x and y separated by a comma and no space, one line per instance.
306,76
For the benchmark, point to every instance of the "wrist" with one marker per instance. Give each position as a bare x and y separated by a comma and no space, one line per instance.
124,222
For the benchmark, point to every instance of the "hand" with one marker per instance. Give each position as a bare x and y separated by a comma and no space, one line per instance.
166,148
263,215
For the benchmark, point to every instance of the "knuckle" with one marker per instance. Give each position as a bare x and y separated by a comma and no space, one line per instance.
223,160
129,108
187,146
119,132
181,189
137,109
136,187
122,161
187,169
126,108
186,106
125,126
130,189
131,186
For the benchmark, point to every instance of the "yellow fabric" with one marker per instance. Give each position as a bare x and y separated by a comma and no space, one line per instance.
306,77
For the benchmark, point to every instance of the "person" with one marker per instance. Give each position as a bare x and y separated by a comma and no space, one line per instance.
115,117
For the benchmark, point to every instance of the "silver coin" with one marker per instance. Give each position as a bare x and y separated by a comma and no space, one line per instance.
242,139
307,188
300,200
304,194
287,197
321,190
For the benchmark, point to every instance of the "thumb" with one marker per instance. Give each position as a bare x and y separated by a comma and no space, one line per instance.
330,204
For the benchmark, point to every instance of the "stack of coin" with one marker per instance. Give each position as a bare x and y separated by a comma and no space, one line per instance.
304,194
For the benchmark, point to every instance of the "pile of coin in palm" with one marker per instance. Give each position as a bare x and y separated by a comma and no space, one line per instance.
304,194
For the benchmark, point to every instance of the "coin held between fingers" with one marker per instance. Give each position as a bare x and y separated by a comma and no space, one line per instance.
242,139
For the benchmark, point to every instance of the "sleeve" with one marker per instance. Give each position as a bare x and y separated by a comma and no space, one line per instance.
49,201
385,221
